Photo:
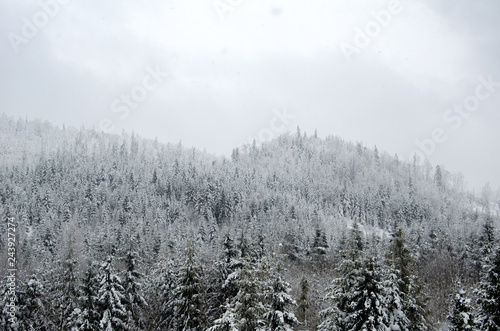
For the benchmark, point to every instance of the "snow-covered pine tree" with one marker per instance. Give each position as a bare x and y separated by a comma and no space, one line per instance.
487,239
396,317
227,322
62,288
364,307
489,294
222,288
320,244
336,297
243,246
245,312
111,297
160,293
303,303
330,316
188,303
134,300
88,312
402,265
259,248
461,317
278,317
69,299
231,265
32,307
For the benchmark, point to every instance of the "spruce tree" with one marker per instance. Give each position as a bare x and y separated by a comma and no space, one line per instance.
243,246
230,268
364,307
227,322
63,289
337,295
303,303
89,309
245,312
111,296
161,296
320,244
402,266
357,299
32,306
188,303
249,302
70,293
396,317
278,317
462,316
134,301
487,239
489,294
221,287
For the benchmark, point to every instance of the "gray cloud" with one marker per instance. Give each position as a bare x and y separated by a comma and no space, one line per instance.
227,77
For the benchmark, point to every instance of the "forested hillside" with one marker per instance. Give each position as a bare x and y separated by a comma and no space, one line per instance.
117,232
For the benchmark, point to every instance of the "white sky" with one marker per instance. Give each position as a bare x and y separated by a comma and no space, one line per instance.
228,78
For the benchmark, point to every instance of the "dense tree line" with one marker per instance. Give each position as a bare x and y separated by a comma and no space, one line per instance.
119,232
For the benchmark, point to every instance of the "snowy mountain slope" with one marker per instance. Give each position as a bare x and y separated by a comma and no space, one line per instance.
297,196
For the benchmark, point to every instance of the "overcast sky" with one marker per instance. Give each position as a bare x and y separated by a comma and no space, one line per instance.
403,75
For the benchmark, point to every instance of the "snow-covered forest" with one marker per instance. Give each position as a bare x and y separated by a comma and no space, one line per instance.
117,232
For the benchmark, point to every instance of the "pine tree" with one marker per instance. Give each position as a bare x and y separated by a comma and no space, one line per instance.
161,296
402,264
230,269
399,257
69,300
396,317
188,304
320,244
227,322
487,239
376,156
221,288
235,155
32,306
364,307
111,297
461,317
89,310
245,312
278,317
243,246
438,177
357,300
336,297
303,303
134,301
63,291
489,294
